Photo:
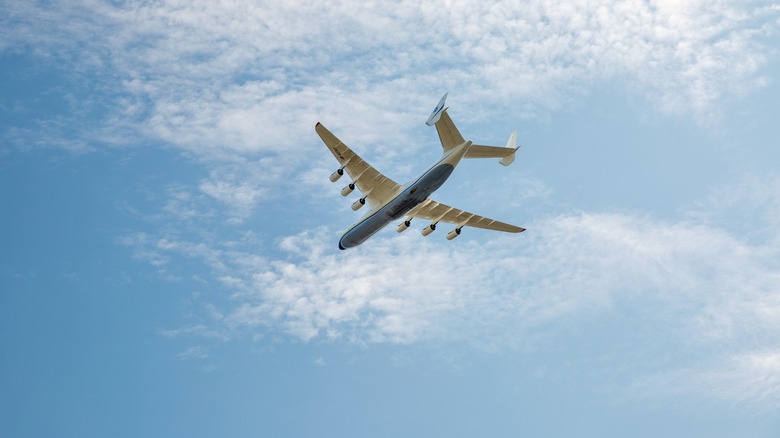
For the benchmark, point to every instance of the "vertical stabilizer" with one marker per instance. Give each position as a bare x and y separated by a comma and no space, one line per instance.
448,133
510,144
436,114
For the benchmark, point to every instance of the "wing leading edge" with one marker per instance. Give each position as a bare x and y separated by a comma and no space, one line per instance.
438,212
375,187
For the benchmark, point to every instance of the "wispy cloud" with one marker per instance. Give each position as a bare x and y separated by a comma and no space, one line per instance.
706,291
568,264
750,205
194,352
239,86
241,83
236,77
751,378
233,65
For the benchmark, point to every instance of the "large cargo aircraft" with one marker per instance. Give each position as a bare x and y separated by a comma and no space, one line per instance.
389,201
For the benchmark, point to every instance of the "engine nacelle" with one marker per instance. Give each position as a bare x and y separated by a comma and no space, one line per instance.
453,234
336,175
403,226
347,189
359,203
429,229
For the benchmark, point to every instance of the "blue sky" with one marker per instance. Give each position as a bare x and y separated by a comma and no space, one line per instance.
169,262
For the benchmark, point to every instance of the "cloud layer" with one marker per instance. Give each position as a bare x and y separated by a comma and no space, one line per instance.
238,86
698,294
510,285
237,78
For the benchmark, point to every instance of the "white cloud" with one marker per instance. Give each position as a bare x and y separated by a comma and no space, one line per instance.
750,205
699,288
242,85
221,77
240,195
408,289
684,56
196,330
750,378
565,265
194,352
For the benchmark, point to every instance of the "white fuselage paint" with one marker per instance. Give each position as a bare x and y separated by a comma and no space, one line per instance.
411,195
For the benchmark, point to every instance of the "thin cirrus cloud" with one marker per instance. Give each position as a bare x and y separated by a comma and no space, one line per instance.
235,78
749,378
251,76
692,287
262,72
572,263
229,82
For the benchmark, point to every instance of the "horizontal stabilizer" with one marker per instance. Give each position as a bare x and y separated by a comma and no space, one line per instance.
436,114
505,154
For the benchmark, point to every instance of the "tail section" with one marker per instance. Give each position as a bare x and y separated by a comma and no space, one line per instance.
506,154
448,133
450,138
437,112
512,145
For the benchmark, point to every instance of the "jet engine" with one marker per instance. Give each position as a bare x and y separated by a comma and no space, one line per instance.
359,203
429,229
347,189
403,226
453,234
336,175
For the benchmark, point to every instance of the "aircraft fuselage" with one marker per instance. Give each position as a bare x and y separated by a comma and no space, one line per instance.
409,197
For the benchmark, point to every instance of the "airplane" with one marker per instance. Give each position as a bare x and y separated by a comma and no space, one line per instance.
389,201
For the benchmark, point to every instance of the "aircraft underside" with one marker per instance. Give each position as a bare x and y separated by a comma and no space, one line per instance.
389,201
398,207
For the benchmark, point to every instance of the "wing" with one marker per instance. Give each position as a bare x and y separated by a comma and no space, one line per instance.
438,212
375,187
